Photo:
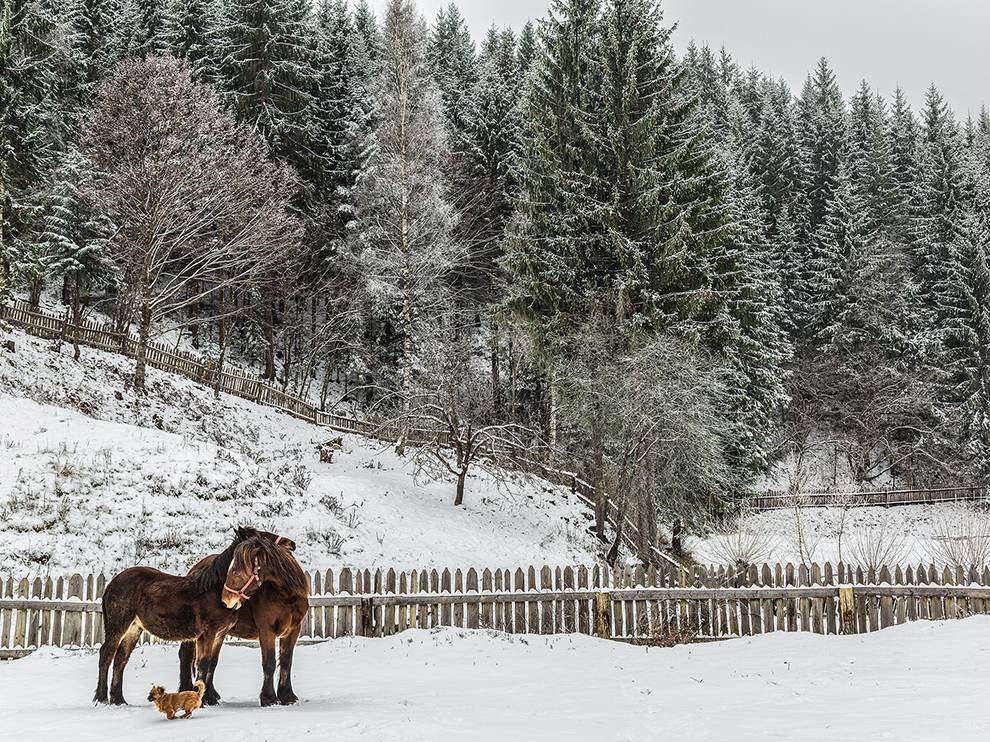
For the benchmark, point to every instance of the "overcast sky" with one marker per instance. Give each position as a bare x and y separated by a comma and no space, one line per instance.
889,42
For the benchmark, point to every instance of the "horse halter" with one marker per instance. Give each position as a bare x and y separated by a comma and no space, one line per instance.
241,593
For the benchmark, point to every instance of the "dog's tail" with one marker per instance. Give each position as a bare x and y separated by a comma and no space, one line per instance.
200,689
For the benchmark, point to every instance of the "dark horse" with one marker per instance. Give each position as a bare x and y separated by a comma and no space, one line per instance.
275,611
201,609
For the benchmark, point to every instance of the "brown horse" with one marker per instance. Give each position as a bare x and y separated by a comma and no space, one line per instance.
201,609
275,611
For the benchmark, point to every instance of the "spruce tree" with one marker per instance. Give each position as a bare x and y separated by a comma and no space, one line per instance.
140,28
821,121
193,30
29,129
75,237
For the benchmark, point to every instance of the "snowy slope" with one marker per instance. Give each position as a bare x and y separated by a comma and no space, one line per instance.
921,681
94,477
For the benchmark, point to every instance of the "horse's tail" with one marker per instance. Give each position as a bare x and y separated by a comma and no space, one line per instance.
200,689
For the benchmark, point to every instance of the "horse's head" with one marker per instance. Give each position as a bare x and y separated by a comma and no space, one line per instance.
248,571
245,532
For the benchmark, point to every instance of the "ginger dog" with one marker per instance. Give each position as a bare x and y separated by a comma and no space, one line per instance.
170,703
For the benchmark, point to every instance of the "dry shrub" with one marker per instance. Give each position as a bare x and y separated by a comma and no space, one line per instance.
960,543
742,547
877,547
653,631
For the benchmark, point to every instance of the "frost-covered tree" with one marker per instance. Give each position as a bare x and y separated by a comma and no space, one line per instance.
140,28
75,239
405,219
821,126
199,206
193,30
29,133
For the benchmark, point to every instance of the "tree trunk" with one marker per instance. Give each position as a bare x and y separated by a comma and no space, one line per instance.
76,299
268,329
598,479
676,541
496,380
459,499
554,414
144,332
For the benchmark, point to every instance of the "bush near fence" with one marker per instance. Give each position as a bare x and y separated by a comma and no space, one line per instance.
634,604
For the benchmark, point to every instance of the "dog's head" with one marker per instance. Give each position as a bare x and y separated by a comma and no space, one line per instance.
156,692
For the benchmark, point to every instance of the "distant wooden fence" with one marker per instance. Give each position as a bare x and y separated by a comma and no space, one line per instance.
870,498
631,604
101,335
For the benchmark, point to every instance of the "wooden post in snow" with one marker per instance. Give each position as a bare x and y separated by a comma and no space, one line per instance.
847,609
603,615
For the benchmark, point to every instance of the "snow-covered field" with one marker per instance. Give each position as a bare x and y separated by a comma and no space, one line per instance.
921,681
93,477
909,534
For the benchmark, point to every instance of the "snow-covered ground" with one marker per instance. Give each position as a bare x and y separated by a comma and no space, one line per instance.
921,681
94,477
909,534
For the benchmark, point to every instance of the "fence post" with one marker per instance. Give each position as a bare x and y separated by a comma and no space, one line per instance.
603,615
847,609
367,617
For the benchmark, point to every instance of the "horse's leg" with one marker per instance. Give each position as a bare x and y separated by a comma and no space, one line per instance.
120,658
267,640
210,695
286,647
112,633
204,655
187,658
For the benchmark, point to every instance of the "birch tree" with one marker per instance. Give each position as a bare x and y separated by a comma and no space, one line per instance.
404,215
199,208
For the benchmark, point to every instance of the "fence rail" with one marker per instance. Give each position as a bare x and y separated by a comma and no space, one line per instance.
631,604
103,336
871,498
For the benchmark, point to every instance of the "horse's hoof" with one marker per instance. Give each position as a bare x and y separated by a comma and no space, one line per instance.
269,701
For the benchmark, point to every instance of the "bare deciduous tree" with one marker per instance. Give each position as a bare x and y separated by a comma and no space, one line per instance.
199,207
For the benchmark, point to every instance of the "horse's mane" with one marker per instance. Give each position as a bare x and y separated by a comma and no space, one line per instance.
213,575
280,564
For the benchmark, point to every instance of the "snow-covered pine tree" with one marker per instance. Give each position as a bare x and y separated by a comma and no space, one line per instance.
193,30
405,219
760,349
29,127
669,221
452,61
527,48
343,110
556,244
269,74
821,122
964,370
944,188
94,21
366,24
75,236
140,28
488,146
903,136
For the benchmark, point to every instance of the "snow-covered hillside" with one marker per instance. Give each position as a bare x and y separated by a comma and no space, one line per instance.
919,681
92,476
